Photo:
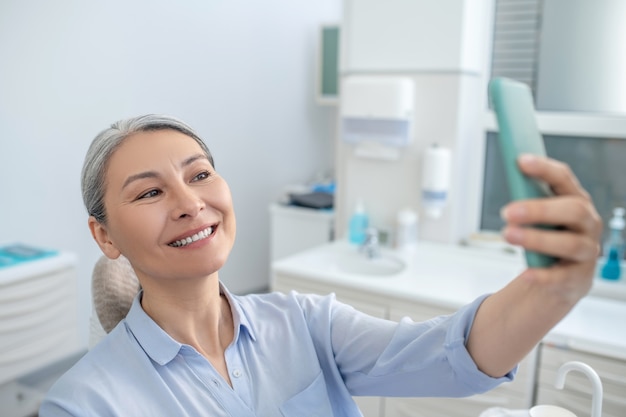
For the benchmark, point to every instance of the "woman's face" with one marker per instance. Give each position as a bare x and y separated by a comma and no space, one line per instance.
168,211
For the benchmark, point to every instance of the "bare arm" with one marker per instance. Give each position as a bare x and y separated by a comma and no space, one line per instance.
512,321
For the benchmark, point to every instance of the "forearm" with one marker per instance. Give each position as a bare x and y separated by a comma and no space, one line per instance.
512,321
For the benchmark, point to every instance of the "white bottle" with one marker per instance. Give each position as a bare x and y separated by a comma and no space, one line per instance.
406,229
436,172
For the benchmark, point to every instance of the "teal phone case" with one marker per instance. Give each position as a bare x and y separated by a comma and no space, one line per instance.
518,133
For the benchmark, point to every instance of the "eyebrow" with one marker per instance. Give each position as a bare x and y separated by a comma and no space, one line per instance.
153,174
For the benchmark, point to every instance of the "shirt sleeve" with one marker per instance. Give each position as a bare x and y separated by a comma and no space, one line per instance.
385,358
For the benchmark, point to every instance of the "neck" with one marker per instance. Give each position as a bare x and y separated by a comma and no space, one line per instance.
194,314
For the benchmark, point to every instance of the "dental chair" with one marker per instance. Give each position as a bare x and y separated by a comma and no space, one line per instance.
113,288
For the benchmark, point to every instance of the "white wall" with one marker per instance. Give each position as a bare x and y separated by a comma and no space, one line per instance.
444,47
240,72
448,112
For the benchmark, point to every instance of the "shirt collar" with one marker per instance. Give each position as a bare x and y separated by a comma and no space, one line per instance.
240,318
159,345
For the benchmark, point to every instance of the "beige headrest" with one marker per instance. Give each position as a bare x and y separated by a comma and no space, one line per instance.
114,285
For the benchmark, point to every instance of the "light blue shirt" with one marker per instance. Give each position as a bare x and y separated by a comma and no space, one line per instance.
292,355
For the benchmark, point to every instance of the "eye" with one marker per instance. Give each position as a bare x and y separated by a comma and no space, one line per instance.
149,194
201,176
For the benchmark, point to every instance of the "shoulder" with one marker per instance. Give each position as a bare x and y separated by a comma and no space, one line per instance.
92,383
292,310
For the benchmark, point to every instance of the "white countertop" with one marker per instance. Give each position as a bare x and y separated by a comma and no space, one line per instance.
56,262
451,276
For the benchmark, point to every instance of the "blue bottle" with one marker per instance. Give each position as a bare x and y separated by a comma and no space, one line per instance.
614,247
358,225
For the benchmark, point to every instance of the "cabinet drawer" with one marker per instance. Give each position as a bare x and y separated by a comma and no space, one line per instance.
577,394
610,370
38,322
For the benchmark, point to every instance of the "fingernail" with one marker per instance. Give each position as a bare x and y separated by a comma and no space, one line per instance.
527,158
513,234
516,212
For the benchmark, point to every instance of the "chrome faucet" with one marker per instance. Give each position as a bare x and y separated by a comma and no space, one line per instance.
370,246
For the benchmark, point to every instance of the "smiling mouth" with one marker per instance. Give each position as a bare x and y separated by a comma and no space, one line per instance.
203,234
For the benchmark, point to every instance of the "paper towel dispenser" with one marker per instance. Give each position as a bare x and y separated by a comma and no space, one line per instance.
377,114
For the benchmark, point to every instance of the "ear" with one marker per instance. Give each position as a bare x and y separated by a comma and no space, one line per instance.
101,236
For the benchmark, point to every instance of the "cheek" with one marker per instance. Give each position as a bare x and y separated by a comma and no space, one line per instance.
225,199
226,206
136,224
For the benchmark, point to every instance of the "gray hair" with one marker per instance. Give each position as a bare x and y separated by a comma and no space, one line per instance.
100,151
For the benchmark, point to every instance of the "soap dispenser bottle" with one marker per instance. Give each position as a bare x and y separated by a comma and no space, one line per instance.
614,247
359,223
406,229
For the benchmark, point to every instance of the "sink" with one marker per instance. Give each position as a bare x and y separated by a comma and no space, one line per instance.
382,265
346,259
354,262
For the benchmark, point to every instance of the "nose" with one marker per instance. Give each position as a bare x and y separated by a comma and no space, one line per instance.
185,202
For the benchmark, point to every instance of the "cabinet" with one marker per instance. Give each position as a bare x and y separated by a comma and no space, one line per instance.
414,36
38,326
516,394
294,229
576,395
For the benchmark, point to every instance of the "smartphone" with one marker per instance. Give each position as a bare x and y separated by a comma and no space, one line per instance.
518,133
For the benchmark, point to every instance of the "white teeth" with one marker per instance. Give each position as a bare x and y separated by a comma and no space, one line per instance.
198,236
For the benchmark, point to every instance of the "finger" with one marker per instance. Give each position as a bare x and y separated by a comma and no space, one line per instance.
563,244
572,212
555,173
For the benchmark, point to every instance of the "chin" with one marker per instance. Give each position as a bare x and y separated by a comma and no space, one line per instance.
209,266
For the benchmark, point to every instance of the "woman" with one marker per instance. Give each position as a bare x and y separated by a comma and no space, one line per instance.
188,347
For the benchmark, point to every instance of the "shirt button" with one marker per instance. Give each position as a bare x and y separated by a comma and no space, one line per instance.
216,382
237,373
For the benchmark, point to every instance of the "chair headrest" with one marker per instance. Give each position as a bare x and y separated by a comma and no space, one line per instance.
114,285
